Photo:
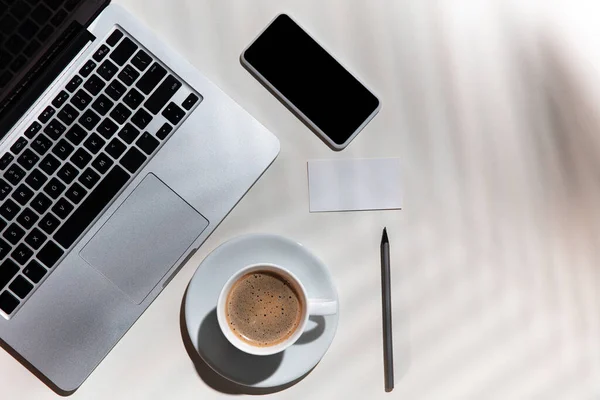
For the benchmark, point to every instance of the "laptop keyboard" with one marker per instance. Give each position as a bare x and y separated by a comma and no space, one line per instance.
25,25
86,145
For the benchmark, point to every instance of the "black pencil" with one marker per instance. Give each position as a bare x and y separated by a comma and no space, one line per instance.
386,299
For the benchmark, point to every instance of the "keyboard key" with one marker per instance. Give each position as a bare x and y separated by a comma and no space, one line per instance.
87,69
100,53
27,218
8,24
22,195
89,178
76,134
13,233
21,255
147,143
9,209
32,130
115,90
173,113
120,113
94,143
54,129
41,203
14,174
28,29
8,269
35,239
14,44
94,84
189,102
21,286
133,99
19,145
74,83
41,144
76,193
102,105
41,14
3,224
46,114
5,160
5,249
63,149
114,38
91,207
81,100
141,60
162,94
81,158
20,9
89,120
123,51
133,160
50,254
60,99
28,159
102,163
141,118
128,133
5,189
107,70
49,223
115,148
128,75
8,302
62,208
68,114
54,188
35,179
67,173
49,164
34,271
151,78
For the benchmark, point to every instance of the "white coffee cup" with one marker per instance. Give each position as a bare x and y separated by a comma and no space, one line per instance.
312,307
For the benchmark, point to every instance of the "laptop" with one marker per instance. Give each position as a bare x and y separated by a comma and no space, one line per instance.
117,160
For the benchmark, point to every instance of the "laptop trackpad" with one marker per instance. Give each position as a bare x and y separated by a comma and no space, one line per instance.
142,240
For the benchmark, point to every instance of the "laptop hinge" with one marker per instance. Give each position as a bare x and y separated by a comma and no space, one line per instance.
67,46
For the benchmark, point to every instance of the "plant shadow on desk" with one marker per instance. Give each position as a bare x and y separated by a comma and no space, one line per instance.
246,368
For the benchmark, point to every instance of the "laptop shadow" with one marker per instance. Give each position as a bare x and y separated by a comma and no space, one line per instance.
209,330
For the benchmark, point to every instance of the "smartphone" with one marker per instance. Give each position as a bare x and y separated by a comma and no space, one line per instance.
310,82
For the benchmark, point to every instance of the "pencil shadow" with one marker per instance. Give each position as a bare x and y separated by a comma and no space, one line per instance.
247,369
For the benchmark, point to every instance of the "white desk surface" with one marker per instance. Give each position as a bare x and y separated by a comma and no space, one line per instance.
492,107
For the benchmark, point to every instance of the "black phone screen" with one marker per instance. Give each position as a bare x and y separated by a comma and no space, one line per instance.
311,79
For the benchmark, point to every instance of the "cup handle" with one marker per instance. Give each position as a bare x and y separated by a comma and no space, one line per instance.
322,307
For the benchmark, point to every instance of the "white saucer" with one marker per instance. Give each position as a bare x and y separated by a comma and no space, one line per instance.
203,328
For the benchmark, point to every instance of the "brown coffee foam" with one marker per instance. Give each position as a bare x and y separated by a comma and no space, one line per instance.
263,309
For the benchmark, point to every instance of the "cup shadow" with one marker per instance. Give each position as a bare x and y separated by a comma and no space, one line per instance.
247,369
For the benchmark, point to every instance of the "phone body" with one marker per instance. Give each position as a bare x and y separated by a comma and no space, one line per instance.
310,82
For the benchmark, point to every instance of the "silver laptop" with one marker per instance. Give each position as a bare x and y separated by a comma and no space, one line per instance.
117,160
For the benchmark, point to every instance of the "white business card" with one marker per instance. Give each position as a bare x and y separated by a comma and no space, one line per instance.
354,184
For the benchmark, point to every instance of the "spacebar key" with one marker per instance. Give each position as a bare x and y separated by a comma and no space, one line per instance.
91,207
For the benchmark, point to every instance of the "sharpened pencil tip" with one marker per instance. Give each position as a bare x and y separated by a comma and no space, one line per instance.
384,238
